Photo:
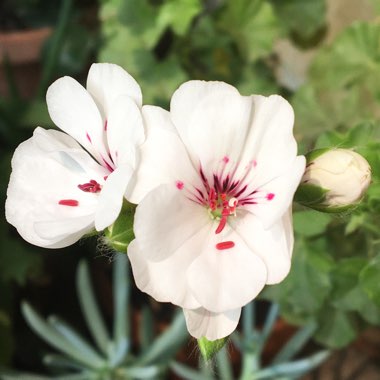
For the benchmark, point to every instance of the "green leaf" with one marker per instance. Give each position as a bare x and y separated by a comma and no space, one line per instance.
252,24
369,280
336,328
90,308
310,223
167,344
178,14
344,83
304,17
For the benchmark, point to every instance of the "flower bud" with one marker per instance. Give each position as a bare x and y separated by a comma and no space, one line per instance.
335,180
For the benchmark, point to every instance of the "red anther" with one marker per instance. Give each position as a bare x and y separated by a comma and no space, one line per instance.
212,194
223,196
90,187
68,202
221,225
225,245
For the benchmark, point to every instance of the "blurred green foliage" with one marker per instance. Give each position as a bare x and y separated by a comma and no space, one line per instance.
162,43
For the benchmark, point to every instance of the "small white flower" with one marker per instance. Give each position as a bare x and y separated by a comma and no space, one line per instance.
221,170
58,191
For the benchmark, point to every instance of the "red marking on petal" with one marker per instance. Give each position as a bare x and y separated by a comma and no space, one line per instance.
179,185
105,125
68,202
226,159
88,137
225,245
105,177
254,163
270,196
221,225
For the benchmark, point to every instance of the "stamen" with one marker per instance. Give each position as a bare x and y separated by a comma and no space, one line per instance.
222,224
68,202
225,245
90,187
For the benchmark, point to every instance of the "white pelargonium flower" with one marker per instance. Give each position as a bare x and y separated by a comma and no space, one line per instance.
59,191
220,171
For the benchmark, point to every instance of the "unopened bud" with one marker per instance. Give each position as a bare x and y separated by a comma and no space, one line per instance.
335,180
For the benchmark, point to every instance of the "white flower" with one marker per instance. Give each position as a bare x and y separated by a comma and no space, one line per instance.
57,191
344,174
221,170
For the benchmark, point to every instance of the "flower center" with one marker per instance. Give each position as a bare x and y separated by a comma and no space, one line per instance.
220,207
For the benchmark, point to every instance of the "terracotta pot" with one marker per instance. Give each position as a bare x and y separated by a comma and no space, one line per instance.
23,51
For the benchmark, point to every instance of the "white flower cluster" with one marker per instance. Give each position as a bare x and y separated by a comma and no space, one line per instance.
213,178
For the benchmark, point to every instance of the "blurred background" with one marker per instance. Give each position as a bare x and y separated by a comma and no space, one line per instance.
322,55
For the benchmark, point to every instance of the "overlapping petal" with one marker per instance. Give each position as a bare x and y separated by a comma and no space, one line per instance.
203,323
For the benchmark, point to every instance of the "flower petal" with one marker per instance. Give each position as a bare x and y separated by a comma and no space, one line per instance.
212,119
107,81
204,323
111,197
164,159
282,189
167,212
74,111
166,280
270,141
44,186
225,279
274,245
125,131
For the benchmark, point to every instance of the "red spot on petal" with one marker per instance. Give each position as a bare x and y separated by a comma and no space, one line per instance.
225,245
179,185
68,202
105,125
254,163
88,137
270,196
105,177
226,159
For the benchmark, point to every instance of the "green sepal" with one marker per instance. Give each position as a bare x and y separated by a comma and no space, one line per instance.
209,348
310,195
120,233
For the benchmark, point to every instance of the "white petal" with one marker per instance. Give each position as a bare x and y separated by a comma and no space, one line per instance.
204,323
106,82
165,219
273,245
125,131
40,179
270,141
111,197
164,159
188,96
212,119
283,189
166,280
226,279
74,111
